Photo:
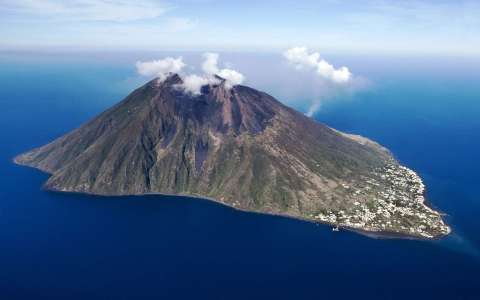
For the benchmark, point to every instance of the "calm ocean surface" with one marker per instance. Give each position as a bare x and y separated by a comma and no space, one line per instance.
64,246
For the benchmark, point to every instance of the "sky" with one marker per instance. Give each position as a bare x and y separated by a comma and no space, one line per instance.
446,27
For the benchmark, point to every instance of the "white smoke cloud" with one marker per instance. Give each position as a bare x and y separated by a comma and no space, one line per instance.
231,77
313,108
192,83
302,59
210,67
331,81
160,68
210,63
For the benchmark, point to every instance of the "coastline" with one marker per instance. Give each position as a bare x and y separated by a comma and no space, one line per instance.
376,234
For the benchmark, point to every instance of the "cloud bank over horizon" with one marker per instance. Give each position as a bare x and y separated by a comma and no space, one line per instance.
87,10
366,27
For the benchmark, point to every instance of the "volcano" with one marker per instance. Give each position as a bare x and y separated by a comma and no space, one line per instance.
240,147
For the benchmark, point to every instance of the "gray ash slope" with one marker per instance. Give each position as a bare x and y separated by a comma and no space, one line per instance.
242,148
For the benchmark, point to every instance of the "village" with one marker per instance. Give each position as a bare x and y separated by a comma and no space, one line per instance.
394,203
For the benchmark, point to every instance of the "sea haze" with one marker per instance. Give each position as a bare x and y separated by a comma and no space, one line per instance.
70,246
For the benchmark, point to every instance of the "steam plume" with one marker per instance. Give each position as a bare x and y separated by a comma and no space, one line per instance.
301,58
160,68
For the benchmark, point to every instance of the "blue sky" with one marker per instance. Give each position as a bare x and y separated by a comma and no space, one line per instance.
349,26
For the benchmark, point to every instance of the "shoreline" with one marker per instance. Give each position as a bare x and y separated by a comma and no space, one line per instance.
368,233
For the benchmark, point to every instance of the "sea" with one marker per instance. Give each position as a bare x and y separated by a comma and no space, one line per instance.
425,109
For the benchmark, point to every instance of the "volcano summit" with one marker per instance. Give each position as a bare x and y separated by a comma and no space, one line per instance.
240,147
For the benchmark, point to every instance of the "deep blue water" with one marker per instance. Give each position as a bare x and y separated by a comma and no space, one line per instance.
64,246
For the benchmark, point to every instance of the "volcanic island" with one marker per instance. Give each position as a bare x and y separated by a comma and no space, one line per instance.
243,148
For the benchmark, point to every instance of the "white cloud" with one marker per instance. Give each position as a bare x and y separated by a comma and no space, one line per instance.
210,67
330,82
302,59
313,108
87,10
160,68
193,83
231,77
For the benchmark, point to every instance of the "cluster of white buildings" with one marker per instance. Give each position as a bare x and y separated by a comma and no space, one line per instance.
393,203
